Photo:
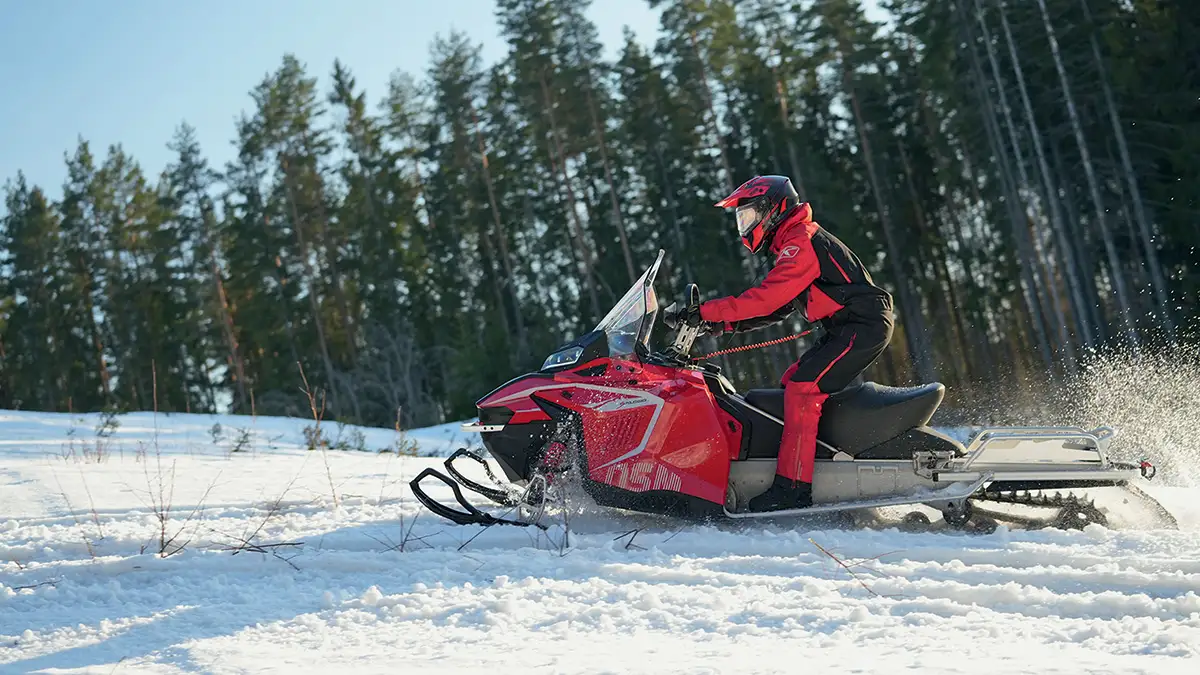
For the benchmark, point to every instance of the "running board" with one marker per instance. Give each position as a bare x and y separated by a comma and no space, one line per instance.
949,494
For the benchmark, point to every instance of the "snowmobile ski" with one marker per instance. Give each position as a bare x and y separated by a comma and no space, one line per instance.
500,496
470,515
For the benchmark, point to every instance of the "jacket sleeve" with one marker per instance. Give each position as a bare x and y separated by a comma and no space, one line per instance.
747,325
790,277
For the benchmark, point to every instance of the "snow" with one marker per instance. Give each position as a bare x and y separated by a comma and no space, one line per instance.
370,584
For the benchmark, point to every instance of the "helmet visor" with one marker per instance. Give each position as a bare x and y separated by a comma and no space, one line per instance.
747,217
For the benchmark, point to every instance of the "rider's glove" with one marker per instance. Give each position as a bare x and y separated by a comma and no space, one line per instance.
713,328
683,315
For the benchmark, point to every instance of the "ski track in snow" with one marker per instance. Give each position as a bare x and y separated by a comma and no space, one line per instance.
376,586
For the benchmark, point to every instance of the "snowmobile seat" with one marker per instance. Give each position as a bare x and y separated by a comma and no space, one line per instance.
864,414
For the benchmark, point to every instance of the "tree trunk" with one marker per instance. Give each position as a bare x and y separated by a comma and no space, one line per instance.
1143,304
281,278
747,257
1024,263
598,129
488,258
1065,246
958,343
1093,187
712,113
1157,280
318,321
1023,185
618,219
331,256
954,230
235,357
54,392
912,314
784,119
148,346
1083,248
510,279
585,254
94,329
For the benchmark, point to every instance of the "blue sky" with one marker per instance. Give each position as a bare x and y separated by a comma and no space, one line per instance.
129,71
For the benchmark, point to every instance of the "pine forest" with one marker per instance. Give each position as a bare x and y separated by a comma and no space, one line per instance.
1021,176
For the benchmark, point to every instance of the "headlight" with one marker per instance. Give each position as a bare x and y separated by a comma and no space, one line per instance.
563,358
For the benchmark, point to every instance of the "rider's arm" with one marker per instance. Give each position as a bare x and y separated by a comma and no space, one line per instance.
747,325
790,277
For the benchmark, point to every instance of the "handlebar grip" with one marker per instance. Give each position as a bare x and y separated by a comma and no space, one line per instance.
693,295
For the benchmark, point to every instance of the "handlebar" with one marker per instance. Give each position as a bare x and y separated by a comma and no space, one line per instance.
680,348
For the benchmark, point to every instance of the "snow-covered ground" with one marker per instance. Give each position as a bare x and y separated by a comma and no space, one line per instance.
286,560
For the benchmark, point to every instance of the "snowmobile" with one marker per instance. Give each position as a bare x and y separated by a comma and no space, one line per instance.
664,432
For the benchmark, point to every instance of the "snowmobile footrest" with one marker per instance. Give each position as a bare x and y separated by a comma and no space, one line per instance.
469,515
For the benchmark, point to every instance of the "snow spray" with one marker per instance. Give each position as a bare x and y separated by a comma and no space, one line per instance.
1152,399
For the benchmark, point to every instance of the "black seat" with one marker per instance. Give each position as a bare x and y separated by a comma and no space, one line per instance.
864,414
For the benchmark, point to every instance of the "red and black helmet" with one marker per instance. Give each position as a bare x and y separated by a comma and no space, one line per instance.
760,204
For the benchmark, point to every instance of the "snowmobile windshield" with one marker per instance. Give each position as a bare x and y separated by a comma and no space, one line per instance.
630,321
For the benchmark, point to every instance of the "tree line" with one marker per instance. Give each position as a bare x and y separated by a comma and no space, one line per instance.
1020,175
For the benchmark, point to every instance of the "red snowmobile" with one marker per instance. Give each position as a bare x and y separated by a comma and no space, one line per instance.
663,432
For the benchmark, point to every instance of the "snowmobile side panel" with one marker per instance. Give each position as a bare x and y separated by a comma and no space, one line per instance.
664,502
518,382
643,428
647,432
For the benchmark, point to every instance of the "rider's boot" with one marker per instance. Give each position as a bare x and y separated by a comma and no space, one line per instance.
784,493
792,487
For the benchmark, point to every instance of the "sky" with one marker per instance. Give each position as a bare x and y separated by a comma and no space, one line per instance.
130,71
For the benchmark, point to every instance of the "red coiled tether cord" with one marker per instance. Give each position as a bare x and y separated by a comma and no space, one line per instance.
758,345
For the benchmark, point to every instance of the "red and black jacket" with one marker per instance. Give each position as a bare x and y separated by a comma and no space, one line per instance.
815,273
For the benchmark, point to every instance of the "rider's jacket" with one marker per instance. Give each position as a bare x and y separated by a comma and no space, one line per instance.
815,273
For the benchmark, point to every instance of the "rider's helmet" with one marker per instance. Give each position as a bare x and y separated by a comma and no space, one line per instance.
761,204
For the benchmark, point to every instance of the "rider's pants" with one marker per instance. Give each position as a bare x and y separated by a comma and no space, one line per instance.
838,357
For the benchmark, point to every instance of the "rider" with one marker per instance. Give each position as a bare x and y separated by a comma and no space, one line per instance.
817,274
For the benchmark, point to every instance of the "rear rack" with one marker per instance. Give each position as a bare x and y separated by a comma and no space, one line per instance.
1008,454
1100,436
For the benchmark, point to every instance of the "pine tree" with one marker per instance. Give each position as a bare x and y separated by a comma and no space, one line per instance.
38,361
83,242
212,353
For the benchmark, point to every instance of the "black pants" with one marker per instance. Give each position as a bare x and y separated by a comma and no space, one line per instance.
840,355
